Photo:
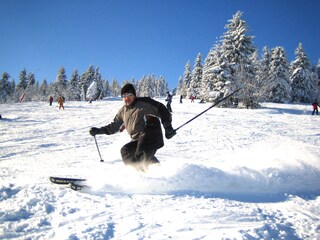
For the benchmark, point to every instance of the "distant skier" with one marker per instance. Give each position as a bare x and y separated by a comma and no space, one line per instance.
140,116
60,102
181,97
315,106
169,100
50,100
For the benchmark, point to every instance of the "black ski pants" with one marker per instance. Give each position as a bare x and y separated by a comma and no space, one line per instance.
134,152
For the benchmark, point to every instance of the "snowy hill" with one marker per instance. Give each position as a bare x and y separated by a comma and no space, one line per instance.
229,174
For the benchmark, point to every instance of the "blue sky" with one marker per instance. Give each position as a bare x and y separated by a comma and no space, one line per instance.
132,38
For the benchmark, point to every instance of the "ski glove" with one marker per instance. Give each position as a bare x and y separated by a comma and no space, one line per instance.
94,131
169,132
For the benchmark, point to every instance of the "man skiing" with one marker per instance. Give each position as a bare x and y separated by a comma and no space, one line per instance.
140,116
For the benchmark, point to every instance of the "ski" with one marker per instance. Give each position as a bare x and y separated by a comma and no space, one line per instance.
76,187
74,183
66,180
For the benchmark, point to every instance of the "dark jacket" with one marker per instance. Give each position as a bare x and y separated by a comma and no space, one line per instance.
141,119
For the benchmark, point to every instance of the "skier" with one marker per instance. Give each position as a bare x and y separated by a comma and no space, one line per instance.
315,106
61,101
181,97
140,116
50,100
169,100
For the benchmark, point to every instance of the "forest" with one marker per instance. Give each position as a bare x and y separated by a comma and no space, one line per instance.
232,63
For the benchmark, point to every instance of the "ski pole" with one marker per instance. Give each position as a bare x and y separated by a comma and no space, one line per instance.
213,105
101,160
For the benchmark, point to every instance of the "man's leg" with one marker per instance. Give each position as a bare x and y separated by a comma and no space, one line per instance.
128,153
145,155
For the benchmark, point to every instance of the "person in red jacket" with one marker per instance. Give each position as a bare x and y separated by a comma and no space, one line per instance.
315,106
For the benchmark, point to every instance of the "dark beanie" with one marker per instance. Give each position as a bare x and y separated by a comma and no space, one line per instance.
128,88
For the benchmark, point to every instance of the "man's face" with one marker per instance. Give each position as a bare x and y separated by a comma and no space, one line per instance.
128,98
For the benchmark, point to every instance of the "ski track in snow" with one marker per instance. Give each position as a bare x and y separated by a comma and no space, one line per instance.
229,174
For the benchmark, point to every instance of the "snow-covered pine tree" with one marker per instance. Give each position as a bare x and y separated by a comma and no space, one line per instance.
22,80
318,70
263,80
302,85
208,72
12,90
106,88
99,87
216,75
196,77
22,86
152,86
180,86
74,89
5,88
317,79
31,88
162,87
85,80
43,90
186,80
115,88
148,87
60,84
249,97
237,49
140,86
280,88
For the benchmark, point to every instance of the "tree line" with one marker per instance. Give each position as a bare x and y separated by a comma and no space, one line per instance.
77,88
233,63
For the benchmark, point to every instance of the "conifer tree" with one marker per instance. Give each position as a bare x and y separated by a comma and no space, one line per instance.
162,87
237,49
180,86
208,73
279,90
22,86
60,84
318,70
74,90
106,88
186,80
250,95
5,88
317,79
216,75
22,80
85,81
263,79
115,88
302,84
43,90
31,88
99,86
196,77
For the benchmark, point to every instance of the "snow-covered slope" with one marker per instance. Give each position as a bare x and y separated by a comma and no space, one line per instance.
229,174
